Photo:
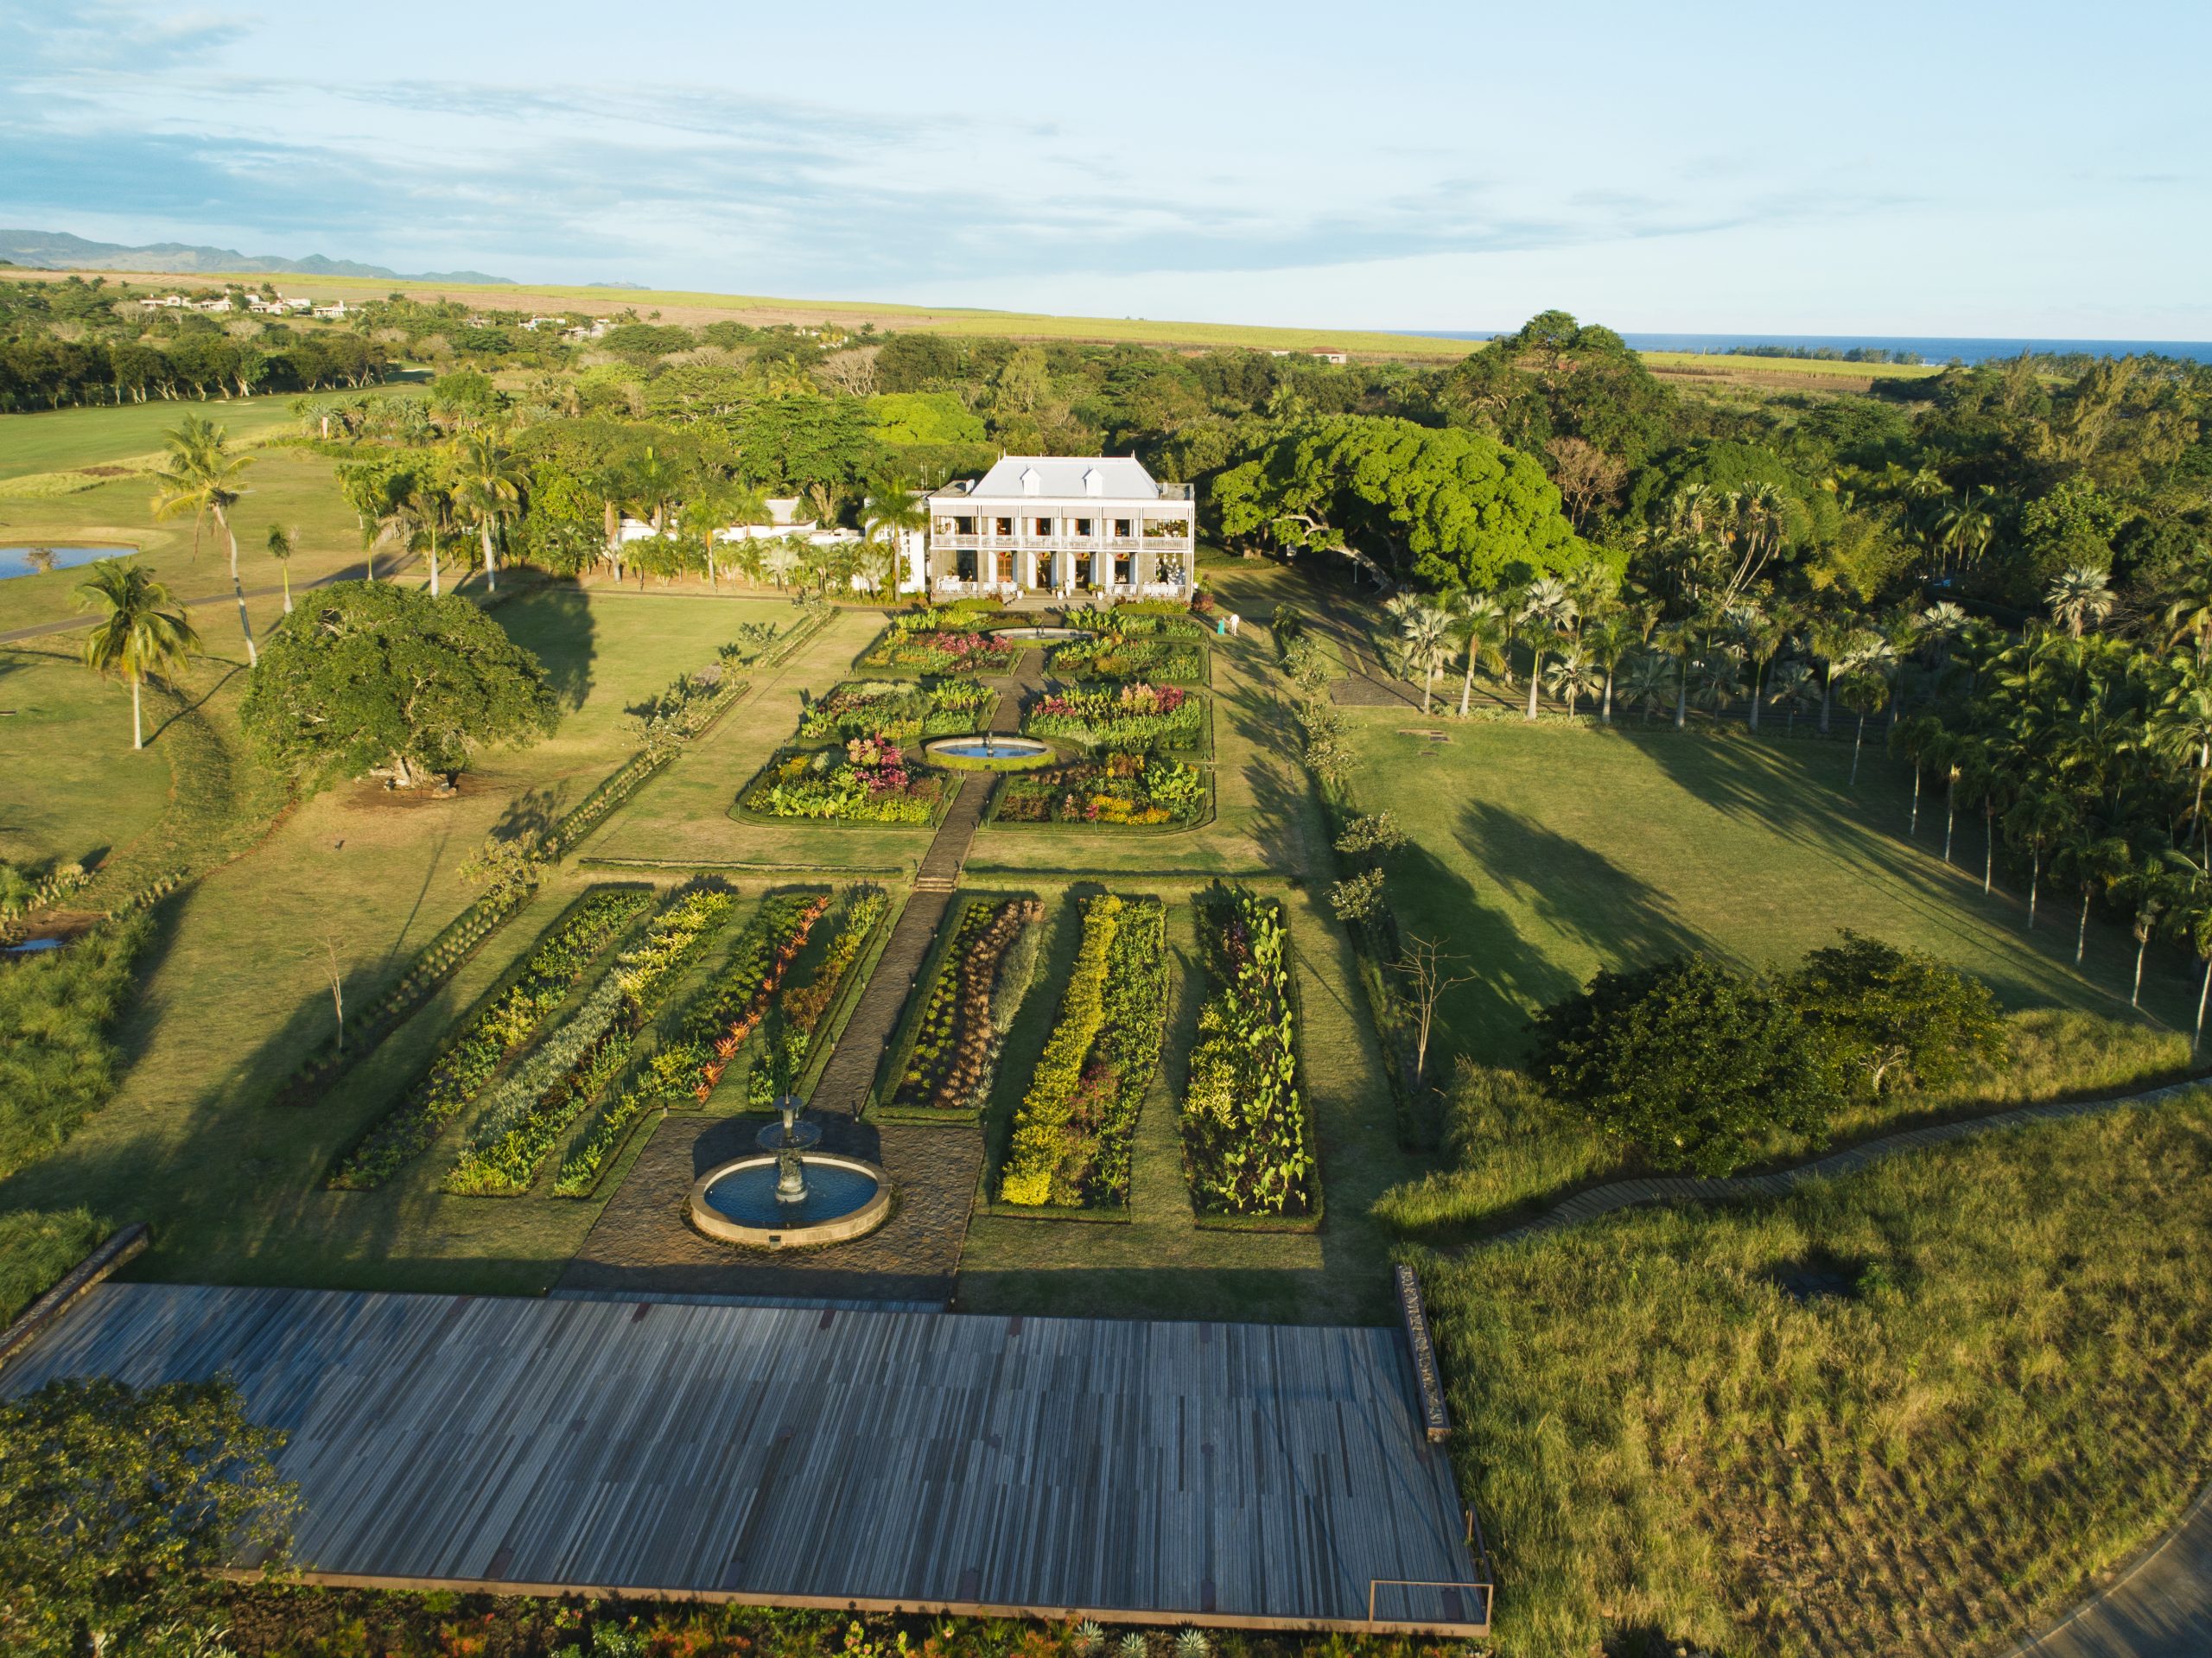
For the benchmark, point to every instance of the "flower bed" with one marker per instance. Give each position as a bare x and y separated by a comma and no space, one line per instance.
927,644
899,709
1245,1129
866,781
1156,618
1132,716
1109,657
510,1019
712,1030
971,1005
525,1114
1113,788
1072,1137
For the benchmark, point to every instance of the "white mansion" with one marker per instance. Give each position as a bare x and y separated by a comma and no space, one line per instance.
1058,524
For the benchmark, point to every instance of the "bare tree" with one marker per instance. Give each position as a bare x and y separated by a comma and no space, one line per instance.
1587,477
851,372
337,988
1423,964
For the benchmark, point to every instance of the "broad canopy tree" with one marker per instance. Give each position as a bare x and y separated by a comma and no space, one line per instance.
377,678
1452,508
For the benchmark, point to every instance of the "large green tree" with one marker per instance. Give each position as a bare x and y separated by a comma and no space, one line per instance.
1452,508
115,1502
375,678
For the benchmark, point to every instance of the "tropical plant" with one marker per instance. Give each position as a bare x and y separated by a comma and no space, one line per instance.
488,494
280,547
138,636
2079,595
201,476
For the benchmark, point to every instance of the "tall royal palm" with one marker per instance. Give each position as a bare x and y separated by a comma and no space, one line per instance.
141,634
203,475
487,495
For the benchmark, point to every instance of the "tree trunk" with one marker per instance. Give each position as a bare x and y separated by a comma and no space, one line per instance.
1950,817
433,564
1467,685
1536,675
1989,849
245,626
2196,1039
2135,995
1758,674
1608,711
137,723
1914,832
1427,687
1827,688
284,569
491,564
1682,694
2035,880
2081,932
1855,743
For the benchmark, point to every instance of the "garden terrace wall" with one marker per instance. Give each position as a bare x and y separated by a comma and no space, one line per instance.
946,1002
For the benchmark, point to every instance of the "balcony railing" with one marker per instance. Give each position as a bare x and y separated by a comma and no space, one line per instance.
1019,542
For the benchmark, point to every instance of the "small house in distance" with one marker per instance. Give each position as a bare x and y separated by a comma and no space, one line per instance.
1330,354
1062,525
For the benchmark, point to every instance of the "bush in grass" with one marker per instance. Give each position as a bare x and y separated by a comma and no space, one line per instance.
1135,716
1245,1129
527,1114
1690,1062
57,1052
867,781
1135,789
465,1065
1109,658
38,1248
1898,1018
971,1006
898,709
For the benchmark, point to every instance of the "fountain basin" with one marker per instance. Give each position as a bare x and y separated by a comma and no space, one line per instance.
736,1203
1046,634
989,749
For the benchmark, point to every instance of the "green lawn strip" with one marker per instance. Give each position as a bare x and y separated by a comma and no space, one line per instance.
940,1062
39,1248
683,1070
1254,1152
1069,1145
1914,1410
507,1019
526,1114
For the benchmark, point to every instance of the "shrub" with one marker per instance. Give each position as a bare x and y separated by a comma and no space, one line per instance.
57,1052
971,1007
1135,716
1115,789
453,1079
1245,1129
898,709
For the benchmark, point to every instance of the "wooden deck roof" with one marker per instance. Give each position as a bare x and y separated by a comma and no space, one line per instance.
1236,1474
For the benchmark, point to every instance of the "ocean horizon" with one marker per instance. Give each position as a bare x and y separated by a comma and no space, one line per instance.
1938,349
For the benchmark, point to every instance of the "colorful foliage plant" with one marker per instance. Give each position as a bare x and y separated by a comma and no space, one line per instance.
867,781
1244,1126
527,1113
464,1066
1131,789
713,1028
963,1023
898,709
915,644
1111,658
1134,716
1073,1132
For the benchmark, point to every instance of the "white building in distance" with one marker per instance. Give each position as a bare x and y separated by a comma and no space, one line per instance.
1062,525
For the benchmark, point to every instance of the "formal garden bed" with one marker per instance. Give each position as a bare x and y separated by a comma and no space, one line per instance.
505,1019
945,640
944,1058
1068,1147
702,1038
899,710
1109,656
863,780
1249,1144
1129,717
1114,791
525,1114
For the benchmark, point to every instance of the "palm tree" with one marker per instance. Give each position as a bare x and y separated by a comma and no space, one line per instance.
2189,919
1425,641
895,509
1833,642
1792,684
1484,636
1610,642
1546,609
1571,677
2149,889
2080,595
2037,820
2181,727
2092,861
1760,636
280,548
1865,691
1649,682
202,475
488,494
780,559
1966,528
427,507
138,636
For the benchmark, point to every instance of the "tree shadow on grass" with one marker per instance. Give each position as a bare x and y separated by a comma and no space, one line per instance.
556,626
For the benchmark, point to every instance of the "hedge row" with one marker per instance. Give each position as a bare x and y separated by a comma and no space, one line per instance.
1244,1129
453,1079
528,1113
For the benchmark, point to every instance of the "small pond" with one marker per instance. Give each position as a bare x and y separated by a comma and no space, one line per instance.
32,947
30,560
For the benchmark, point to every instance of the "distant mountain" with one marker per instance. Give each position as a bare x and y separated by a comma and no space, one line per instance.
640,286
59,250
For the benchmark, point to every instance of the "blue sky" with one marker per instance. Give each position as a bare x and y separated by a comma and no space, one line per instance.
1931,169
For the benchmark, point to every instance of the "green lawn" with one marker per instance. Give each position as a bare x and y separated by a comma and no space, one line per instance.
1910,1412
61,440
1541,855
76,789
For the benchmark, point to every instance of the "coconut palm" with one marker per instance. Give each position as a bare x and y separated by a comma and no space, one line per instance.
1484,636
488,494
1546,609
203,476
138,635
2080,595
280,548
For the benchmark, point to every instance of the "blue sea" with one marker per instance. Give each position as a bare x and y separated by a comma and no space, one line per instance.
1936,349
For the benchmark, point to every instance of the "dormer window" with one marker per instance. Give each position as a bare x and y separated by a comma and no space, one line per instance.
1094,481
1031,484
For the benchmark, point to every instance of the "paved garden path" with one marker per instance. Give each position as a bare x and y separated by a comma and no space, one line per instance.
2160,1606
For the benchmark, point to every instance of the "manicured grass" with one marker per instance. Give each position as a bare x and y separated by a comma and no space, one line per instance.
1908,1412
75,787
1541,855
58,440
38,1249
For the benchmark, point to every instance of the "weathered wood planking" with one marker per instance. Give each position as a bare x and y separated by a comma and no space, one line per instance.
1252,1474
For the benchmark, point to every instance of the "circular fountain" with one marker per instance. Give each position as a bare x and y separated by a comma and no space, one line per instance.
790,1195
989,748
1049,635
